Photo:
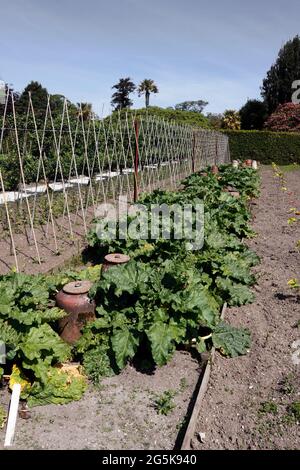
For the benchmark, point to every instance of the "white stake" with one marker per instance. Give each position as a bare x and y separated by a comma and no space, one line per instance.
13,413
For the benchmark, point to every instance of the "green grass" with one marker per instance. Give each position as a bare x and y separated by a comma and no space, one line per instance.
291,167
286,168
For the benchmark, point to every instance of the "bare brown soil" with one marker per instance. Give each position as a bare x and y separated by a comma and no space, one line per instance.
50,258
119,415
247,405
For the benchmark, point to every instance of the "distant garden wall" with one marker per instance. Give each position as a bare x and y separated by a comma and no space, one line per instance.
280,147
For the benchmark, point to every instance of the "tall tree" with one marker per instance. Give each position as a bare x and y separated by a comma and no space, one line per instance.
215,120
277,86
253,115
39,97
146,87
57,104
120,99
194,106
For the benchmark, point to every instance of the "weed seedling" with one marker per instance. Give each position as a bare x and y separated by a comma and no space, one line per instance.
183,384
287,386
268,407
163,403
294,410
2,417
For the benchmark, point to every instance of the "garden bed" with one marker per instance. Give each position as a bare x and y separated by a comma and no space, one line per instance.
166,300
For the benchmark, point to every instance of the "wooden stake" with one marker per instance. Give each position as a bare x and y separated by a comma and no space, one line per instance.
190,430
9,223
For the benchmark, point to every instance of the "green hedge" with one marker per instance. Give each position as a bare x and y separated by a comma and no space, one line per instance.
282,148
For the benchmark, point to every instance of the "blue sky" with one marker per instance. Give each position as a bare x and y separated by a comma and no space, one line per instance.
193,49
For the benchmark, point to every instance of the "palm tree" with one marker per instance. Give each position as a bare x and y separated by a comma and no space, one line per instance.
146,87
85,110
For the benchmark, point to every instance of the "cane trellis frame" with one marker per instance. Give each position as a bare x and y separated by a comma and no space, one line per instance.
57,168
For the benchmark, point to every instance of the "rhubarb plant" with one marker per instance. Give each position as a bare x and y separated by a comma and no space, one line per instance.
166,296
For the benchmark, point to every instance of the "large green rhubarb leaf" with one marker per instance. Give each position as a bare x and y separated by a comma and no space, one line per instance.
124,344
162,342
44,342
238,294
231,341
128,278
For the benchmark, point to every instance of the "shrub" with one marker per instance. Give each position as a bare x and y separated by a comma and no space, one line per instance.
9,166
282,148
169,114
286,118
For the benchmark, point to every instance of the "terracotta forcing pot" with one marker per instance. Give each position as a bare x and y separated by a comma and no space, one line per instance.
215,169
248,162
114,259
74,300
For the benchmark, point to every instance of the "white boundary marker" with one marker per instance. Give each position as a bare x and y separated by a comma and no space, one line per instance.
13,414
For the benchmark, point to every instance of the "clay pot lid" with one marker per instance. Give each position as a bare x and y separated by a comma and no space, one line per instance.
77,287
116,258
